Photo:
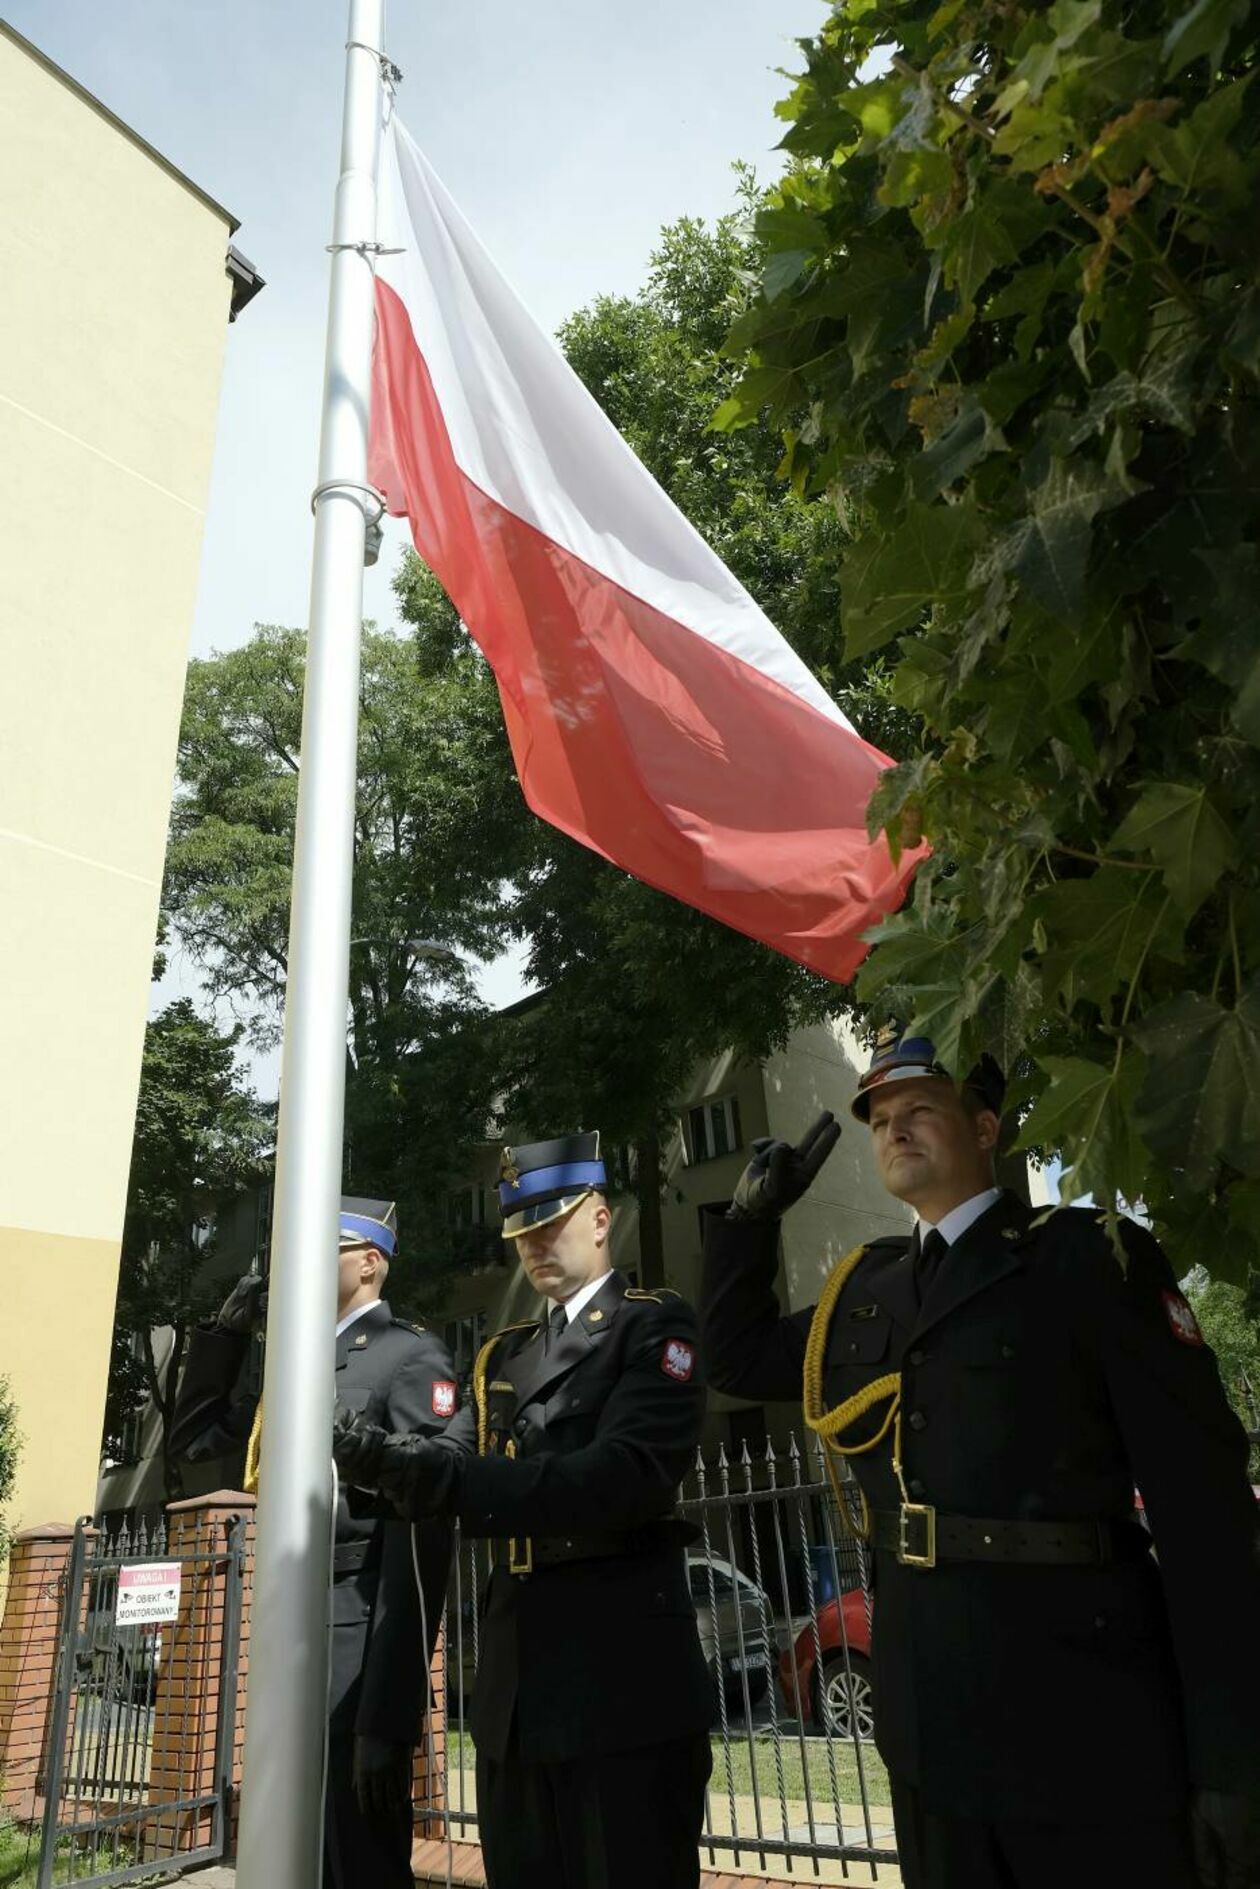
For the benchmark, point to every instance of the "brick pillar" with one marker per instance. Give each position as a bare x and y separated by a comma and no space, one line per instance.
186,1709
28,1658
428,1791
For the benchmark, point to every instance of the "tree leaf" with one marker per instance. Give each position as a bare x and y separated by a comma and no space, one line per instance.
1086,1116
1049,549
887,584
976,245
1202,33
1201,1099
1226,640
1179,827
1098,930
971,438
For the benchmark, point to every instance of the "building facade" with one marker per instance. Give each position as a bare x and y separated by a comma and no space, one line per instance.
119,283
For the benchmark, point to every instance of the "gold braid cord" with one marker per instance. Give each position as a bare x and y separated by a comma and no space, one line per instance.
831,1424
253,1452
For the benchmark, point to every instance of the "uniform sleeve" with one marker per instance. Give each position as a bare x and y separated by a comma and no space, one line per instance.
1189,1457
415,1563
628,1474
750,1350
208,1419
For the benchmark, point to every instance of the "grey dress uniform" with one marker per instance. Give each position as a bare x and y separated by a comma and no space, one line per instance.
1047,1693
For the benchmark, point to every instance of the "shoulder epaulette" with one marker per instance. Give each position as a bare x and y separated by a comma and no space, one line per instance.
658,1296
405,1324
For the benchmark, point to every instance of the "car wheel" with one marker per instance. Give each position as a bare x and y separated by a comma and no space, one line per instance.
844,1701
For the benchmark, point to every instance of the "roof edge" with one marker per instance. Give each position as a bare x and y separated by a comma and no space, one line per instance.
119,124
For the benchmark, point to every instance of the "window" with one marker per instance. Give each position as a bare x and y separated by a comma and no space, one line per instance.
713,1129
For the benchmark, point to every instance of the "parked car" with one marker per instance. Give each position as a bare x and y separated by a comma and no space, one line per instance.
737,1628
826,1675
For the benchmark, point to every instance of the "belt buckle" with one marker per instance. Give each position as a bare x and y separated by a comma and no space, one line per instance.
521,1555
916,1539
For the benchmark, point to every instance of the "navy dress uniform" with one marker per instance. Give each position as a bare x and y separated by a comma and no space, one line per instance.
400,1375
593,1699
1048,1693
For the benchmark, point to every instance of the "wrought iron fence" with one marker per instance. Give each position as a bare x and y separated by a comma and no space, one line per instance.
783,1607
137,1761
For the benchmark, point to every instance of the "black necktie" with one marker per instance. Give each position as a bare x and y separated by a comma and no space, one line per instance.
926,1265
557,1325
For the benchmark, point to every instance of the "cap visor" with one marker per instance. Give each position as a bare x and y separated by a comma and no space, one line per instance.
540,1214
860,1107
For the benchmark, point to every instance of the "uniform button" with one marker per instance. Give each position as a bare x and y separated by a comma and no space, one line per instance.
917,1486
520,1426
1008,1351
916,1357
917,1420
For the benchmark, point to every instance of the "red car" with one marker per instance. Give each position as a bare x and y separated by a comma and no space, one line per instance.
827,1676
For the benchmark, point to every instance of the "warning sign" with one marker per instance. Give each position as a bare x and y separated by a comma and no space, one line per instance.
148,1594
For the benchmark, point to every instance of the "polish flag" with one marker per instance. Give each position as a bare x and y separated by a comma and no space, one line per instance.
655,713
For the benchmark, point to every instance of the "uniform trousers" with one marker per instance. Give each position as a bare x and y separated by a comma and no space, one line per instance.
361,1852
616,1820
938,1850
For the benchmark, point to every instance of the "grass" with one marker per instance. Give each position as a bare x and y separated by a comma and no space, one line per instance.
19,1853
746,1765
736,1773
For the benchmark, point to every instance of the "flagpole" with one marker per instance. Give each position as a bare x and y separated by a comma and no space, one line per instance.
286,1712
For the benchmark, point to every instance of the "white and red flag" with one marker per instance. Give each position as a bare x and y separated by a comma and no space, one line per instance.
655,713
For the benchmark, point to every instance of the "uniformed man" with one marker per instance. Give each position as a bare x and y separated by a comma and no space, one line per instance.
1053,1705
399,1375
593,1700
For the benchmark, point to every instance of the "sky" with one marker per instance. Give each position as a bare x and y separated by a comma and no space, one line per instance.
570,132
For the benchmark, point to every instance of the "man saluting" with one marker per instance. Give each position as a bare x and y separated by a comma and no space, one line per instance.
1052,1705
593,1700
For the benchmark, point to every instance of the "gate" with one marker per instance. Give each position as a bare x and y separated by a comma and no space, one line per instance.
783,1605
144,1704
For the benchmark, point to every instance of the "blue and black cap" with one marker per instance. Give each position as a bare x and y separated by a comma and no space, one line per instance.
546,1179
375,1221
898,1058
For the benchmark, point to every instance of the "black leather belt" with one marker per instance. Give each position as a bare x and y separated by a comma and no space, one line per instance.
350,1556
920,1537
552,1551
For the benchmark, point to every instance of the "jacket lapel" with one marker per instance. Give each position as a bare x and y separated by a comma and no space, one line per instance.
989,1250
546,1365
891,1282
358,1337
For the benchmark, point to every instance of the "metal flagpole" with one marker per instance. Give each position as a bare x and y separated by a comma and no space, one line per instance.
286,1705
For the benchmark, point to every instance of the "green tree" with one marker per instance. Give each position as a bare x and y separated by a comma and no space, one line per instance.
1009,322
436,820
200,1139
1230,1321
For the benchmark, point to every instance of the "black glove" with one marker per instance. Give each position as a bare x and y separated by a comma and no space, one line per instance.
778,1173
245,1308
381,1775
411,1470
1226,1829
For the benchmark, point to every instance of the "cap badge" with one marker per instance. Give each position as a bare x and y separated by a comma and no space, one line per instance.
508,1169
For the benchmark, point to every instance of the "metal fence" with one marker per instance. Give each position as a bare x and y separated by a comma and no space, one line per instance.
783,1606
137,1761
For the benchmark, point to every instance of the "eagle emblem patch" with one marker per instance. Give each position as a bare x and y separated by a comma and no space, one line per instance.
1181,1320
443,1397
678,1360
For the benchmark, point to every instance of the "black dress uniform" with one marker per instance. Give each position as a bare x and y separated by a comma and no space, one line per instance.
593,1700
1045,1677
396,1374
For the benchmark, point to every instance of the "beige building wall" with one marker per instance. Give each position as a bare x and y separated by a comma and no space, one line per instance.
112,326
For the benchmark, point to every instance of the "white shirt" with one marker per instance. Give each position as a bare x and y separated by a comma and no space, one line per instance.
345,1323
955,1223
583,1296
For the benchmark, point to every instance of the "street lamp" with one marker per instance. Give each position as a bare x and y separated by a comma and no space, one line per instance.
427,948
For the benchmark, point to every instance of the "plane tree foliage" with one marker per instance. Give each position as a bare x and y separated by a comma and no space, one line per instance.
1007,323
